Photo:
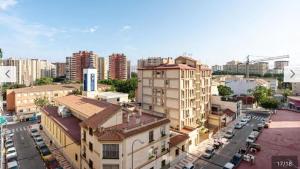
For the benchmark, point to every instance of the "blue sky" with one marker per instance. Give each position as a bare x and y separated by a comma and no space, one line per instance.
213,31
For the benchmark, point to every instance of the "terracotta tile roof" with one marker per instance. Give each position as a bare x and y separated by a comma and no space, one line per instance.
168,66
124,130
69,124
45,88
95,111
175,140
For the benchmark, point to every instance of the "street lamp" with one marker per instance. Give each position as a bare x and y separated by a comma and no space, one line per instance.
136,140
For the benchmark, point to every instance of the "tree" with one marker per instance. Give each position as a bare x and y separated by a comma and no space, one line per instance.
41,102
286,93
10,86
44,81
269,103
224,90
260,93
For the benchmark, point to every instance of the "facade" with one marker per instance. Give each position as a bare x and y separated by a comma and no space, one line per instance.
154,61
216,68
296,89
113,97
60,69
21,100
102,68
236,67
29,70
79,61
107,133
280,64
294,103
180,90
118,66
128,69
242,86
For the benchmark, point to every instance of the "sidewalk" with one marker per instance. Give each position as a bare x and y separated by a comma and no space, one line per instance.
56,152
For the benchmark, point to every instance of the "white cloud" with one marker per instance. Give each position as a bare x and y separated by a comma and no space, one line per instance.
126,28
5,4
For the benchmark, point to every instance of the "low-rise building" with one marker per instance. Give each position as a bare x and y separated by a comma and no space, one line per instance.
243,86
109,136
113,97
21,100
294,103
296,89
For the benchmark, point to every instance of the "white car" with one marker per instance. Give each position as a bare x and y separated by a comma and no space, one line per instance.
251,139
229,134
13,165
228,166
11,153
9,143
34,132
189,166
39,140
243,121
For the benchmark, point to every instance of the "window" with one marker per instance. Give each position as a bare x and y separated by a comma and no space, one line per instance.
110,166
90,146
183,148
91,131
163,163
110,151
91,164
76,157
163,131
177,152
163,146
151,136
118,99
150,107
56,94
84,135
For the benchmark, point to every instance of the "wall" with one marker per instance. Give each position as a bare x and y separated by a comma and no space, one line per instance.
224,104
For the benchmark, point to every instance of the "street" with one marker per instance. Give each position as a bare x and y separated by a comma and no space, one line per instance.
224,155
28,155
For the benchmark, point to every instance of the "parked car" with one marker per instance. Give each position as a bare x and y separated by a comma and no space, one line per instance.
229,133
251,138
236,159
243,122
45,153
260,126
189,166
11,153
228,165
13,165
266,125
34,132
9,143
238,126
256,146
209,152
217,144
39,140
36,136
247,119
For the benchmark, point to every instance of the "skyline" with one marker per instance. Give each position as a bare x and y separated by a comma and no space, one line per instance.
214,32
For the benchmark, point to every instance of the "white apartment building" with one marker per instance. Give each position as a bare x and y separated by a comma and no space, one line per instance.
242,86
180,90
29,70
102,68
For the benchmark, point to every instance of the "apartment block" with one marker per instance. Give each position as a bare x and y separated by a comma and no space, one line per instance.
21,100
216,68
60,69
107,136
102,68
29,70
154,61
236,67
79,61
180,90
280,64
118,66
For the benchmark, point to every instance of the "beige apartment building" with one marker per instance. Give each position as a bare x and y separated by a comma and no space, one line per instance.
108,136
180,90
21,100
29,70
259,68
102,68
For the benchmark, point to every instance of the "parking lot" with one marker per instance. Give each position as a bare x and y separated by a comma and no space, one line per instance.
232,146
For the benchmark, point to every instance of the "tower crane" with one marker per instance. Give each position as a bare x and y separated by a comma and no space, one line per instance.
263,59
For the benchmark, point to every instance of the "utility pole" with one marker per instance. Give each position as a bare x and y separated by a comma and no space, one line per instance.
247,66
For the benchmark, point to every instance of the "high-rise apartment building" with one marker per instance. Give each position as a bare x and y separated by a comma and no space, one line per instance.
118,66
60,69
79,61
102,68
29,70
280,64
128,69
180,90
236,67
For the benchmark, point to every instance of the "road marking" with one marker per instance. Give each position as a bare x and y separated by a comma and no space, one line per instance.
12,130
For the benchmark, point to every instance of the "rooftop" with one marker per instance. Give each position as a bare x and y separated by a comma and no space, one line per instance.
280,139
133,125
169,66
69,124
112,94
46,88
177,138
87,108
